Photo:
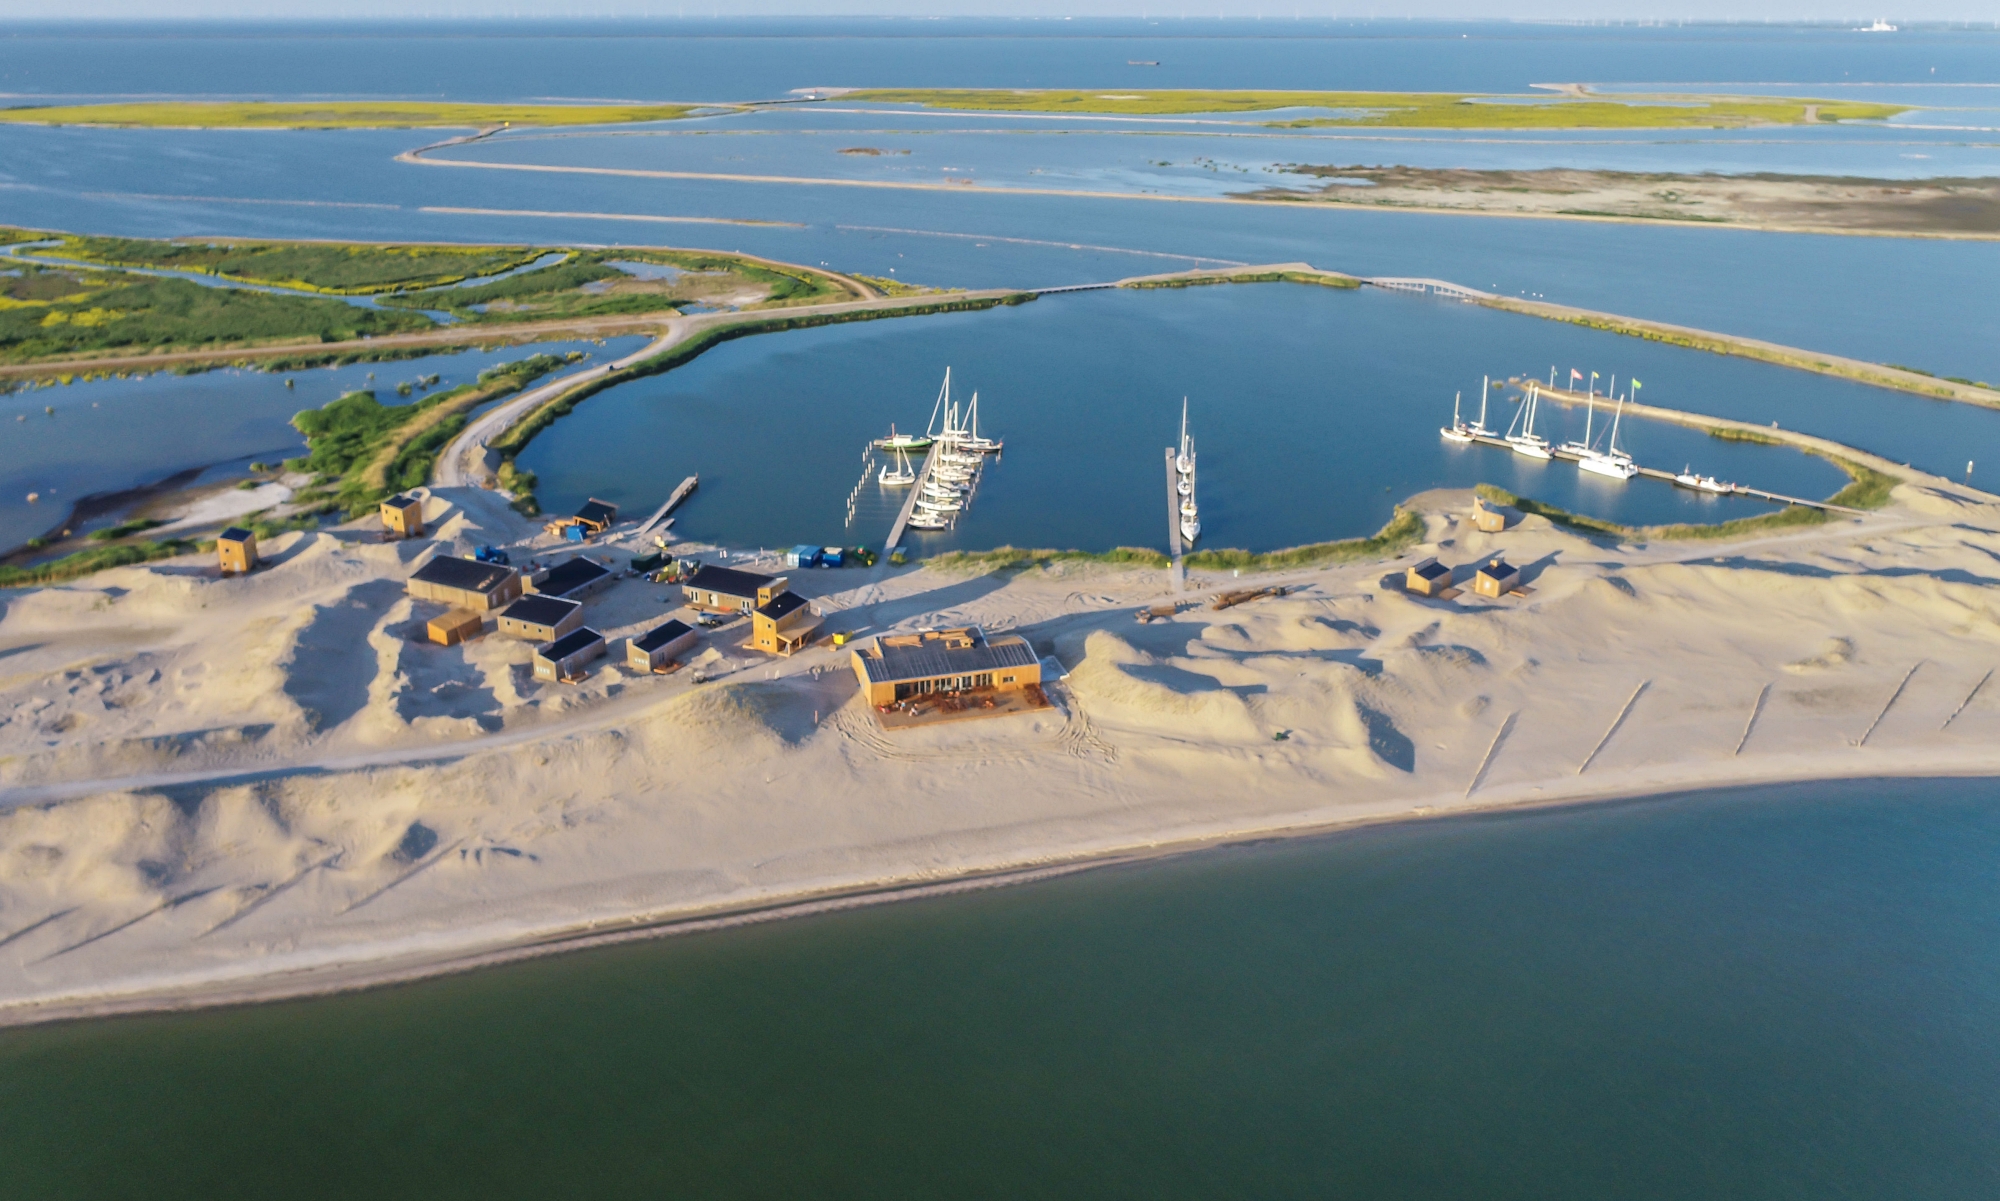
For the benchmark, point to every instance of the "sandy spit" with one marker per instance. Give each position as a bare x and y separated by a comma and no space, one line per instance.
215,791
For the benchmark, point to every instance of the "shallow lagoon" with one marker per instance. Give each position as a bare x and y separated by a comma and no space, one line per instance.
1315,410
112,435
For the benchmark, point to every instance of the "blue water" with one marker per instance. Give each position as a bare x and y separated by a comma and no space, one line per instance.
111,435
1309,426
1783,994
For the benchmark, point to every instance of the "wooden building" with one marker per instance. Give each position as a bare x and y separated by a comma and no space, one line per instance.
595,517
1496,578
455,626
784,625
464,584
236,550
541,618
573,578
403,516
1485,520
723,590
660,646
1427,578
897,667
563,660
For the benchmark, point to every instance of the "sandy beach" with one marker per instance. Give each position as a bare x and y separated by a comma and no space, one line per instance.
225,789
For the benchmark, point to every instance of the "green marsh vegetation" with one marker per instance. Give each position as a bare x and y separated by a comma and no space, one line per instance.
361,451
340,269
53,312
1403,530
1427,110
340,114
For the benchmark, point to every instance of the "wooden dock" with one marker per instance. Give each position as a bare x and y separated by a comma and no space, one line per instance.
910,503
680,494
1655,473
1176,573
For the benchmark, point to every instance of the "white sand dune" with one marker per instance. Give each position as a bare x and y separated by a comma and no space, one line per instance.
215,789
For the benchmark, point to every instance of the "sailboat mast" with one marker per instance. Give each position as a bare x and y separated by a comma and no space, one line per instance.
1484,388
1588,415
930,427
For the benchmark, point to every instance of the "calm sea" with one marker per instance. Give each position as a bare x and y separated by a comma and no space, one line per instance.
1786,993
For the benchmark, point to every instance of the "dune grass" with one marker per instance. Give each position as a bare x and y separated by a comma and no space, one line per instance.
1014,557
1403,530
338,114
1429,110
95,558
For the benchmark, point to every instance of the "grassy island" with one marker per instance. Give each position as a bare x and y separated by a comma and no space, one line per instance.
339,114
1422,110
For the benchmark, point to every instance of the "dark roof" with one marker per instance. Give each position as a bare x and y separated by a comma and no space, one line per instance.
782,605
1431,570
234,533
540,610
569,644
1499,569
660,635
464,574
597,510
933,658
728,581
567,577
402,502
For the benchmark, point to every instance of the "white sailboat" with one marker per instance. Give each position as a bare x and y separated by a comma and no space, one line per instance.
925,519
1184,463
1611,461
902,475
1457,431
907,442
973,442
1528,443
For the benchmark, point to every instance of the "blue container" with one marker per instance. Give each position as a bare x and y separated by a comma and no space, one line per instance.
830,557
573,533
802,556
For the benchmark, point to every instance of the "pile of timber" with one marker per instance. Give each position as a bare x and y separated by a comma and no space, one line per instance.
1229,600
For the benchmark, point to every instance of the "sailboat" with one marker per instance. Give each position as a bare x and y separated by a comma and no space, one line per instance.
1528,443
901,475
906,442
1457,431
927,519
1184,461
1611,461
973,442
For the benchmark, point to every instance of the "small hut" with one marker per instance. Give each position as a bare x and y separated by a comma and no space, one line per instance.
1428,578
403,516
1496,578
784,625
236,549
1485,520
455,626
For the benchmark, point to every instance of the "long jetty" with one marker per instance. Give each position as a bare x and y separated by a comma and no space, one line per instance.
1773,435
1176,571
680,494
910,502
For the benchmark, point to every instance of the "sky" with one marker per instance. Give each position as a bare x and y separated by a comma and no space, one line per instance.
1984,12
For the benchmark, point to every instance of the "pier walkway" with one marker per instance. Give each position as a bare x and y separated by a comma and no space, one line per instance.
910,502
680,494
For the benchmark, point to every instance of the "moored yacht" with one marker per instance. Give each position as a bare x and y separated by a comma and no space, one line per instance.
1528,443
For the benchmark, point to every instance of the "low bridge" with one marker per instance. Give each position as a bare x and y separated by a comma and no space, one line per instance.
1434,287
